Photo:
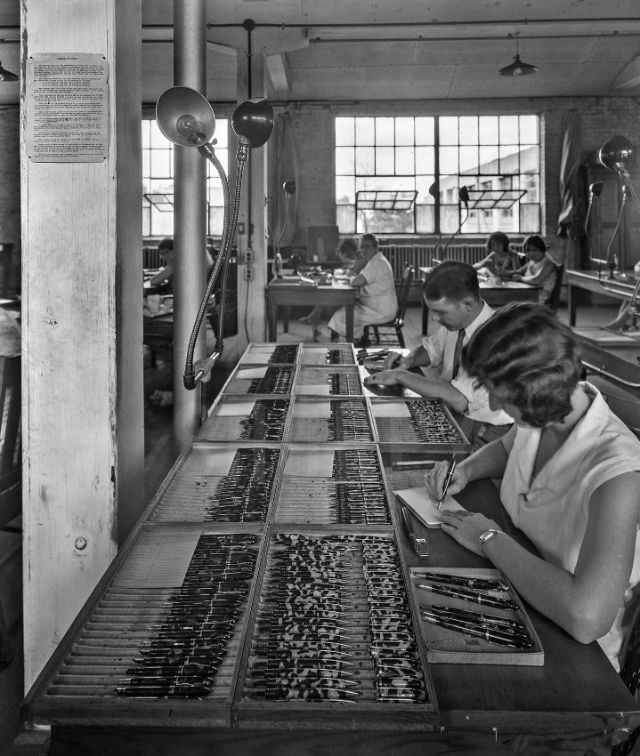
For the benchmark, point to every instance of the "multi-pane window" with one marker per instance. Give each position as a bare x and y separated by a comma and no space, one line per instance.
157,181
405,174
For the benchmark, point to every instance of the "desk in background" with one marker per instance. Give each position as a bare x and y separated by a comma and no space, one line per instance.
619,288
494,295
291,295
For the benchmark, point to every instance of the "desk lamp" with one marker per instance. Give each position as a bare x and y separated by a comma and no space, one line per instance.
186,118
617,155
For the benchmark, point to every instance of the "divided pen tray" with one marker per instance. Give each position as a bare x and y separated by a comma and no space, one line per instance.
457,646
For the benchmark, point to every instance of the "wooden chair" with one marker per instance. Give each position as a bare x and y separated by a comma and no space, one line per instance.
630,674
553,300
391,332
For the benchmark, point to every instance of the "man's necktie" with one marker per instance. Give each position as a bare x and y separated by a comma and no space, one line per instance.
457,353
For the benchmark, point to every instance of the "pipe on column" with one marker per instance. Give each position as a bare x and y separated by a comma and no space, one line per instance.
189,63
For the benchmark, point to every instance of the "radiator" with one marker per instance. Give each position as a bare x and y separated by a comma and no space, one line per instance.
151,258
423,255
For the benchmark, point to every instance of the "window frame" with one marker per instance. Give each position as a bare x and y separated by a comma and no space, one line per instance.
444,212
152,142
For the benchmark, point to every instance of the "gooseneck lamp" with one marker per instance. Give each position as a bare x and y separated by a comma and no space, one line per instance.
186,118
616,154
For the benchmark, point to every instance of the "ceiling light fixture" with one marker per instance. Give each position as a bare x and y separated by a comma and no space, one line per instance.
518,67
7,75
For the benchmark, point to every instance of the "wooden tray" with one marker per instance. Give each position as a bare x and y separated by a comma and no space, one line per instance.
357,589
396,430
125,614
452,647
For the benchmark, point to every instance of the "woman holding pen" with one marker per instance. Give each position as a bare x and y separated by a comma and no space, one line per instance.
570,474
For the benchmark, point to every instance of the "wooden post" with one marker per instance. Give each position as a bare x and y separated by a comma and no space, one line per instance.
82,319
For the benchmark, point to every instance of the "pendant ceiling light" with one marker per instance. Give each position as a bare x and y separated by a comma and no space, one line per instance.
7,75
518,67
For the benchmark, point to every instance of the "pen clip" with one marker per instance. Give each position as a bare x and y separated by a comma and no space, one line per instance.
419,544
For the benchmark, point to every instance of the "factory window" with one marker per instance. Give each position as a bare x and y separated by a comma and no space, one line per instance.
437,175
157,181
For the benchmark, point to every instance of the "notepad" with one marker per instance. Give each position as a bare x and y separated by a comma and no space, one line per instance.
424,507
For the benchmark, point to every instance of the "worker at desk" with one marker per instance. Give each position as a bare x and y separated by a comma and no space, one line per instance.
570,474
500,260
348,254
165,275
452,294
377,300
539,270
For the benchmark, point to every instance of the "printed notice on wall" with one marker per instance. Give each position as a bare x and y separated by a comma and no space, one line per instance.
68,108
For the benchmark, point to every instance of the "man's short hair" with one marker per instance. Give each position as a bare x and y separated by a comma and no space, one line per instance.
454,280
370,239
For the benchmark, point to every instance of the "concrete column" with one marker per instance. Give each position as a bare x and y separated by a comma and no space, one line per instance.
190,220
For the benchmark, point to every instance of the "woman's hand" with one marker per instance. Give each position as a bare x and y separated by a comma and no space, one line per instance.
434,480
516,277
393,360
466,527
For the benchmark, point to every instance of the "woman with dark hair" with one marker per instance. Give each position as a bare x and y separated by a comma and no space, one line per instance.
539,270
500,260
570,478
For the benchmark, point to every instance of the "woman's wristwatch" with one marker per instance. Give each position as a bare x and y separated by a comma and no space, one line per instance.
488,535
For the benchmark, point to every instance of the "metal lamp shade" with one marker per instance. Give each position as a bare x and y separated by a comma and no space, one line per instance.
253,121
616,154
185,117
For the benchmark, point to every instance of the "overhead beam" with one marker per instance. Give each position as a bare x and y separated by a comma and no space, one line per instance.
629,76
278,72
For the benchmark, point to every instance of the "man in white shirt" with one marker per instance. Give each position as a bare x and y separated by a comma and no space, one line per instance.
452,294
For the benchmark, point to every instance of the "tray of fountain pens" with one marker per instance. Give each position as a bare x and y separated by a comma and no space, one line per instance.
473,616
333,633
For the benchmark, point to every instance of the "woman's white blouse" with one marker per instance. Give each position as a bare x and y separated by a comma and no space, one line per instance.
552,508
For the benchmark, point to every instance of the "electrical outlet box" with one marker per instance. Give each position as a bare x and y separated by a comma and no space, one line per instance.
248,273
248,257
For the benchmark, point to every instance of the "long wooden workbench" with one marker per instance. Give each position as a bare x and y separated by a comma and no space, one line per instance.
299,488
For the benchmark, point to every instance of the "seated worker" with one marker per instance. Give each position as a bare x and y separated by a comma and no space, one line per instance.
539,270
570,478
500,261
165,276
452,294
377,300
348,255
